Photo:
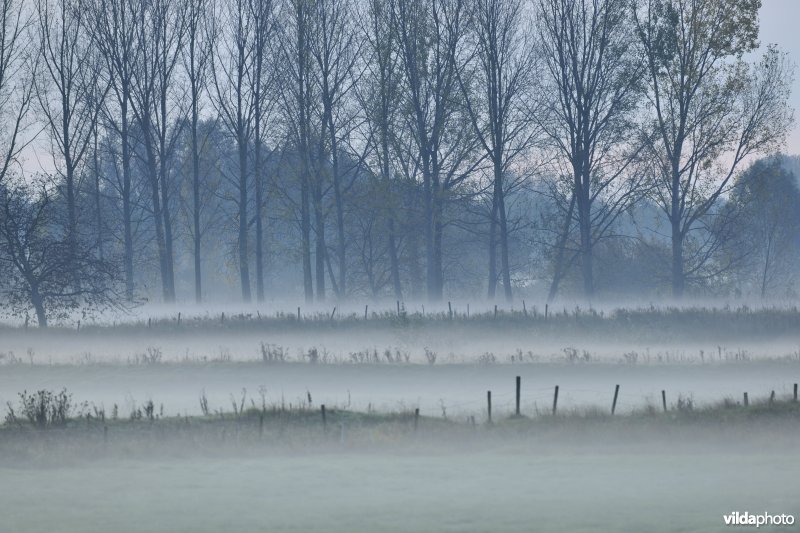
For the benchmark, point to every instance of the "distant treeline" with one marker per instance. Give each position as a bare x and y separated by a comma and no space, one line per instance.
221,149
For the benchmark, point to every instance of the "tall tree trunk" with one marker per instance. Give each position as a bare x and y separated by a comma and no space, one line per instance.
259,184
38,305
198,283
305,230
319,230
126,202
393,260
559,267
584,224
414,267
678,278
155,198
341,241
438,229
504,262
492,289
244,268
97,198
169,264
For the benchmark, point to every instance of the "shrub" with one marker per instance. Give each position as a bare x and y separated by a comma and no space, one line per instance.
45,408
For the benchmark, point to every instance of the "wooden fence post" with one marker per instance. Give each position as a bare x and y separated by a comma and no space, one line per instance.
555,401
324,418
416,419
614,404
746,400
795,392
664,399
519,387
489,404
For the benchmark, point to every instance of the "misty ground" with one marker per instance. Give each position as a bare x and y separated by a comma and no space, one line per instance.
369,470
503,490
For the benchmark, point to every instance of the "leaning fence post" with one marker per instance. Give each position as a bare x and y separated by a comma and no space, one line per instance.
524,309
555,401
519,387
489,404
450,309
664,399
366,308
614,404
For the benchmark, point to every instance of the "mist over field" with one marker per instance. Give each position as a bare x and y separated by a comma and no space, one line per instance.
398,265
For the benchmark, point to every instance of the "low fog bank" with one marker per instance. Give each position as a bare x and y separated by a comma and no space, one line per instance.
459,304
451,334
449,390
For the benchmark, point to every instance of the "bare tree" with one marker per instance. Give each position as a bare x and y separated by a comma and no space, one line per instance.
112,26
262,12
335,49
592,86
70,93
157,105
429,35
379,98
41,263
196,56
494,83
18,70
231,74
710,112
297,96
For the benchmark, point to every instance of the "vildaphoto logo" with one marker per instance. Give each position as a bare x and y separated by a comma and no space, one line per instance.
764,519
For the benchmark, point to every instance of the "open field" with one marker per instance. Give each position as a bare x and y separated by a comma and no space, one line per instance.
212,424
491,492
680,471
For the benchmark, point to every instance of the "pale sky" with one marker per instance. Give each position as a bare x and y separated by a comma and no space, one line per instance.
780,24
